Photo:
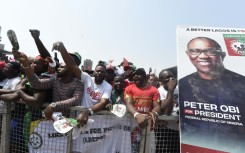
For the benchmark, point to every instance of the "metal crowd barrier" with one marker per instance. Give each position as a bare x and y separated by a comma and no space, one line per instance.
166,140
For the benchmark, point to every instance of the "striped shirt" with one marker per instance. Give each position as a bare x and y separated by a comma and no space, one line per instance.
65,95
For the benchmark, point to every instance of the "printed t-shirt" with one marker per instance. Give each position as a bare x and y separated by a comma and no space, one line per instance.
142,97
94,92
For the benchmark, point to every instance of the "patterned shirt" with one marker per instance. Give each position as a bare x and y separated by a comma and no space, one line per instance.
64,94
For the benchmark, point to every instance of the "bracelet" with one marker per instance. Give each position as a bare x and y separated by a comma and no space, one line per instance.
135,114
90,111
155,113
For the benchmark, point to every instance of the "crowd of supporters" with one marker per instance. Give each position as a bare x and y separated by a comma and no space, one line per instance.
27,83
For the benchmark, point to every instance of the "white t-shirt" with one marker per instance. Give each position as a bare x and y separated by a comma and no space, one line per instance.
10,84
163,95
93,92
2,83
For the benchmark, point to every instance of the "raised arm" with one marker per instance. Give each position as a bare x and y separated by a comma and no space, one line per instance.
31,76
41,48
68,59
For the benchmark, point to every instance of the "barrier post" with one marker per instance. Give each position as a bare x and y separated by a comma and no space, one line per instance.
5,131
69,139
145,138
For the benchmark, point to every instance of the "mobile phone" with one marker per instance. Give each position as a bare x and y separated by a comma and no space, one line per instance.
13,39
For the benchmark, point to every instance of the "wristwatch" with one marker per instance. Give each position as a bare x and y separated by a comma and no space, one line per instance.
90,111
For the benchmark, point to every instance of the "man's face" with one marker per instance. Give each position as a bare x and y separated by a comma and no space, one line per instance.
153,80
110,75
166,77
8,69
62,70
99,74
204,63
39,66
139,80
118,83
129,72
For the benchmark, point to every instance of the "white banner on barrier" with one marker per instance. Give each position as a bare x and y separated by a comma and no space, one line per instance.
45,139
108,134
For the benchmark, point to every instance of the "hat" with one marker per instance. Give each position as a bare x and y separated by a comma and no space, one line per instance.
39,57
2,65
51,62
129,66
78,56
140,71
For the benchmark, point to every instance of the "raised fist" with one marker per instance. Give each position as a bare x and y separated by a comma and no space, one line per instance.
35,33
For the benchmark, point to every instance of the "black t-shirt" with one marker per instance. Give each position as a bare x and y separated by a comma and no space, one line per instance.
213,107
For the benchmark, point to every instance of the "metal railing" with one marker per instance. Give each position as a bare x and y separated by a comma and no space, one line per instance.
144,145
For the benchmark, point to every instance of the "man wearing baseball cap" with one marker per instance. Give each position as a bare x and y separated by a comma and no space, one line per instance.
78,57
142,100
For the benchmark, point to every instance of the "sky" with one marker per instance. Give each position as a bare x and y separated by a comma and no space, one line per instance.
142,31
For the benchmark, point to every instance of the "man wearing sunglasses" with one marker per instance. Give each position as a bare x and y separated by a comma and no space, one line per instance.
214,94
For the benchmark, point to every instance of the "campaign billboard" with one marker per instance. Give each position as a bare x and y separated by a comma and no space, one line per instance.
211,89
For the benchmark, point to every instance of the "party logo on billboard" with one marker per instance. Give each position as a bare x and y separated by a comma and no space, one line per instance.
235,44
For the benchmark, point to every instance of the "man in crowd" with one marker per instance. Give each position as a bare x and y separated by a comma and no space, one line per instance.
67,90
117,94
128,72
96,90
211,85
28,100
12,72
168,136
153,80
168,91
27,95
110,75
142,102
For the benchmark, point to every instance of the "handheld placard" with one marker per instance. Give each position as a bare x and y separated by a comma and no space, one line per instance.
64,125
119,110
13,39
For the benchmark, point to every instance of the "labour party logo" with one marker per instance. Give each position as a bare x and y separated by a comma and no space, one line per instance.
36,140
235,44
